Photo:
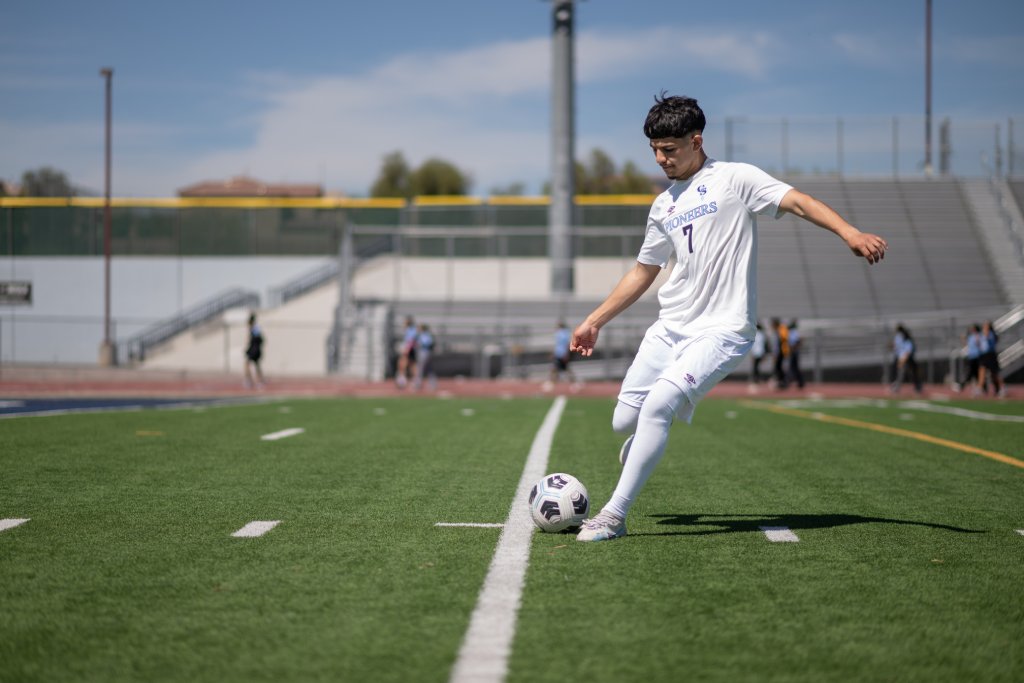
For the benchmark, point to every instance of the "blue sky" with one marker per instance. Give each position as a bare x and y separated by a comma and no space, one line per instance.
321,91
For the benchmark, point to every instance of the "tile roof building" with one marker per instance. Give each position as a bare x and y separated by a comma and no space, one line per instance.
243,186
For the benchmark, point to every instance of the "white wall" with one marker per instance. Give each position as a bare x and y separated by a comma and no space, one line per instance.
64,324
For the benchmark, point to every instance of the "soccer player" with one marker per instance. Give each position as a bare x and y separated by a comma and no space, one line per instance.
706,220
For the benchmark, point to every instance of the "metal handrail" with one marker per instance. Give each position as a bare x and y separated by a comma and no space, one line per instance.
312,279
135,347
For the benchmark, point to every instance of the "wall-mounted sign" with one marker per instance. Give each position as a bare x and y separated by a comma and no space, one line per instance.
15,293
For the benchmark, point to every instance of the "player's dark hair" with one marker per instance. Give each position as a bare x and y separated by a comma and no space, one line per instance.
673,117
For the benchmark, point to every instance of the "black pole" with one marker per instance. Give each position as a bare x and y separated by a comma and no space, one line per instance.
928,87
108,342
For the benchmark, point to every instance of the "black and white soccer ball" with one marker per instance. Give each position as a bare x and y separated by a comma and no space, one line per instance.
559,502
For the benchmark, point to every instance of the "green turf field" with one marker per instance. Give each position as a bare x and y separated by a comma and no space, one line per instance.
909,565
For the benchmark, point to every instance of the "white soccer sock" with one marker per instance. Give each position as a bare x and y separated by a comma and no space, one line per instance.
648,445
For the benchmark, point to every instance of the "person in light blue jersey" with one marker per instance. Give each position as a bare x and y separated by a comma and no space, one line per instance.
560,356
425,358
972,354
904,350
989,372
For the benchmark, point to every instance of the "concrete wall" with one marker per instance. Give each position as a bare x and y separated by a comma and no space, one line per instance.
64,324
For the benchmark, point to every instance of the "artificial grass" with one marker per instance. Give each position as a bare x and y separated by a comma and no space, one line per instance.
908,566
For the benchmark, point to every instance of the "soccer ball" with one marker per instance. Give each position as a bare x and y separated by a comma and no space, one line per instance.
559,502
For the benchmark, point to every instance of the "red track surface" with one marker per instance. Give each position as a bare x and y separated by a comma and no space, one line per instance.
89,381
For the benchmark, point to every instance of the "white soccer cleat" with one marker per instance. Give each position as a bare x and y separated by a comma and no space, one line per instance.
624,451
604,527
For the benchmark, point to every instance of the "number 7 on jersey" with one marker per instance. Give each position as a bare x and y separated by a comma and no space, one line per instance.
688,233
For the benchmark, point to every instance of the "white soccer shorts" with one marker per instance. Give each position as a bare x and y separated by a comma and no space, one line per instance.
694,363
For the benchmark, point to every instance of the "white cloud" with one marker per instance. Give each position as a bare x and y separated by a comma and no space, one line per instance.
484,108
877,50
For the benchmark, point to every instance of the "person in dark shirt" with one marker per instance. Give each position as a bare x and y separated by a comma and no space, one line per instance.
253,354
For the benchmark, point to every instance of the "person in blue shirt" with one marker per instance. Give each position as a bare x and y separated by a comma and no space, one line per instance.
560,354
903,349
972,343
989,360
424,358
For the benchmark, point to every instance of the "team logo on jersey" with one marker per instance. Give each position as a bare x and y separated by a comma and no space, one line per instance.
671,209
690,379
688,216
702,190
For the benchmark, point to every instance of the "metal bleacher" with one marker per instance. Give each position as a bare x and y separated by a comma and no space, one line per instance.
937,277
935,260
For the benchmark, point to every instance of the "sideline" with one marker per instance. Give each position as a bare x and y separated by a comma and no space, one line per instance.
488,642
885,429
51,407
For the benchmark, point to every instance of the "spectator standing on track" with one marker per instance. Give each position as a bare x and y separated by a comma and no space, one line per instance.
425,358
795,344
757,353
706,222
407,353
972,353
904,350
253,354
781,349
897,348
989,372
560,355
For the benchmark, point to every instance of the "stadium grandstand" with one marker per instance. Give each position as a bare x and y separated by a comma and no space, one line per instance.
333,279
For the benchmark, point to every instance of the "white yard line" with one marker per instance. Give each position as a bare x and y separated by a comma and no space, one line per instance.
283,434
960,412
488,642
255,529
6,524
780,534
480,525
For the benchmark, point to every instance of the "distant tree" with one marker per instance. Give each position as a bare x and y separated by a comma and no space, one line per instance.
600,173
394,179
433,177
599,176
439,177
632,181
46,182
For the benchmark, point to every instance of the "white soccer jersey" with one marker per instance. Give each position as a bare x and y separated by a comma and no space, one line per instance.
709,224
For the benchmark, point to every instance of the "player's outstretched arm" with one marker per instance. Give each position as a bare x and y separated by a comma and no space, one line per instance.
863,244
634,283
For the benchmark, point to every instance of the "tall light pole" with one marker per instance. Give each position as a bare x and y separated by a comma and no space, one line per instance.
107,348
563,157
928,87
